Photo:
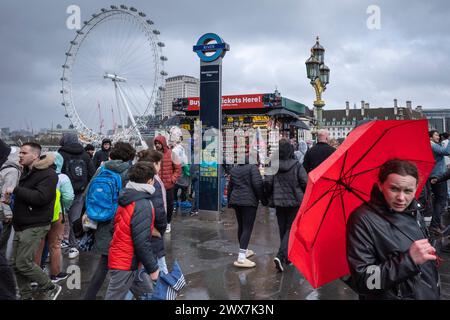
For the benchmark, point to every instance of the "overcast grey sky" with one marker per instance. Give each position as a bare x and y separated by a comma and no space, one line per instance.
407,58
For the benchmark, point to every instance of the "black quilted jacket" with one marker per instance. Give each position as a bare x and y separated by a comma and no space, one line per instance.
287,186
246,186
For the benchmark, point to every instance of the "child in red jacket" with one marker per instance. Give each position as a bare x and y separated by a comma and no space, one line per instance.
131,243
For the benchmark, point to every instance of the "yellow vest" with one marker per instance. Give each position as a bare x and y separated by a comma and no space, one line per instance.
57,209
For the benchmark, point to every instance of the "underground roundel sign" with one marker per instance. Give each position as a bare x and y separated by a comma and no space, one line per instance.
211,42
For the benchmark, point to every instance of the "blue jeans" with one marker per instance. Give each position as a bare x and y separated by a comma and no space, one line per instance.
440,202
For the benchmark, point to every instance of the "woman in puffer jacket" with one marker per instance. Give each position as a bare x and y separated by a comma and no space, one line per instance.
245,189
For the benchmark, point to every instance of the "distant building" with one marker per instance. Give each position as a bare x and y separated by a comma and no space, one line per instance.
438,119
23,133
48,135
178,87
340,122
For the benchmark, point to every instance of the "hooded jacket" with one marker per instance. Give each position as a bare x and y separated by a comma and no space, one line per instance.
286,188
170,166
374,241
104,232
10,173
72,149
102,155
64,185
133,225
35,195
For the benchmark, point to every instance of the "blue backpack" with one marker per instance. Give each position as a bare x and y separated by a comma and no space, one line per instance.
103,195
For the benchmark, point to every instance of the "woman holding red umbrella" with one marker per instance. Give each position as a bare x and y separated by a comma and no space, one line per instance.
388,251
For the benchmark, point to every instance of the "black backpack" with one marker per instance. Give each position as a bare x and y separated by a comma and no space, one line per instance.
77,171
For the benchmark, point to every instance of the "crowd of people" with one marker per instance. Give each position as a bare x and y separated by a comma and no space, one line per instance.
124,200
121,199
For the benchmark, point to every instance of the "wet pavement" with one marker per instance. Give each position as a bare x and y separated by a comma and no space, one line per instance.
206,251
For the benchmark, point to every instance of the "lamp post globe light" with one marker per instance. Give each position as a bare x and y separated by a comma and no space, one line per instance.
319,75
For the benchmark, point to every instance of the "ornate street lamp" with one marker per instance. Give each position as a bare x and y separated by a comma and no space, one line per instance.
319,74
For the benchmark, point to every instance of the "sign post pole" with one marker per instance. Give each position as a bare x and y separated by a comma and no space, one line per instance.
211,49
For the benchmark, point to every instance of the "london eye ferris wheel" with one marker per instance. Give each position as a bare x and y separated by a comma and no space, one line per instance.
113,75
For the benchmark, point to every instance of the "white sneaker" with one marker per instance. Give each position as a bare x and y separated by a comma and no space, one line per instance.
244,264
168,229
73,253
278,264
64,244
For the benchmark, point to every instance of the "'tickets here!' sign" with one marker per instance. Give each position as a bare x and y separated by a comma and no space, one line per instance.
246,101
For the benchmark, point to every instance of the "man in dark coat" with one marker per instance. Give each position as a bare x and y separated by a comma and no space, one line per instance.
102,155
319,153
286,189
33,206
388,249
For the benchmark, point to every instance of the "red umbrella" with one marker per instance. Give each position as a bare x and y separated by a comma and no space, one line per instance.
317,244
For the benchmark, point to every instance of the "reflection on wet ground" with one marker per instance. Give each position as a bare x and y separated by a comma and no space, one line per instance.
206,251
